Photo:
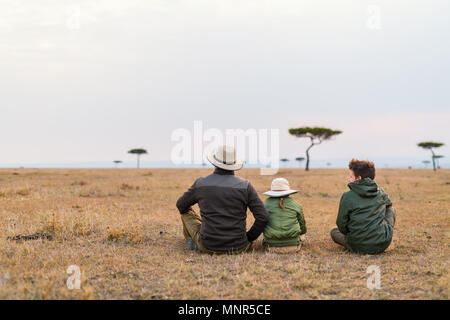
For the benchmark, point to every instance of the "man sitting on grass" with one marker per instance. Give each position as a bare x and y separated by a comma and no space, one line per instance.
223,199
366,218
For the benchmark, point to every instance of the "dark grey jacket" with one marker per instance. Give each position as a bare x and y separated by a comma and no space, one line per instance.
223,199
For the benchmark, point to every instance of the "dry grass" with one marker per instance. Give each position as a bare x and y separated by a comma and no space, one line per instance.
122,228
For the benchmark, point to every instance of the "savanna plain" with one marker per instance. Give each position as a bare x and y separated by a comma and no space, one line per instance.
122,229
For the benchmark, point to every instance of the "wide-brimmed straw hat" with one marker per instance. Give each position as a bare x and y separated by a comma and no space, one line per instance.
280,188
224,157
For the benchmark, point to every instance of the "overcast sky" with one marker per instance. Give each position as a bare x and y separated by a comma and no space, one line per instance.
126,74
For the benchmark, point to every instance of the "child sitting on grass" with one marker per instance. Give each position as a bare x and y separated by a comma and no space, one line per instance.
286,220
366,218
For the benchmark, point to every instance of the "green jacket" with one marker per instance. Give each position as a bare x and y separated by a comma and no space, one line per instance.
284,227
361,217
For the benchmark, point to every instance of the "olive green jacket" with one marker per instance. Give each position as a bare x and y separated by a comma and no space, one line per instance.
361,217
284,227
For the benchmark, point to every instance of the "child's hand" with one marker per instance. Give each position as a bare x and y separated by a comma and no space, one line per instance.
303,237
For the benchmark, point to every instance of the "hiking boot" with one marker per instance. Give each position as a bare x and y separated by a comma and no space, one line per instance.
191,244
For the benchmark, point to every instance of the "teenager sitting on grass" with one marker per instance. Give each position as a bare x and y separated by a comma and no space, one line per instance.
366,218
286,220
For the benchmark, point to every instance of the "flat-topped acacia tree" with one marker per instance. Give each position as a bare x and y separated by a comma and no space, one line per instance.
284,160
299,159
138,152
437,157
317,135
430,145
117,162
426,163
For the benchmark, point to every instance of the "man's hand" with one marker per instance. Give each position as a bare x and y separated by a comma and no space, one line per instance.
303,237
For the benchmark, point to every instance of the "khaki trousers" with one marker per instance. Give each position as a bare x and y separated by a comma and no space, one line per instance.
191,229
286,249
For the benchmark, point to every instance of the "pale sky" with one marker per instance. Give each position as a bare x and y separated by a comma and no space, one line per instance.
133,71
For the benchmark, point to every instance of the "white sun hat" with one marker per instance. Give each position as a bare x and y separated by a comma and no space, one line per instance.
224,157
280,188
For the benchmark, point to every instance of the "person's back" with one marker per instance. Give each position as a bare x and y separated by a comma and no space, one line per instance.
366,218
285,225
365,205
286,220
223,200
